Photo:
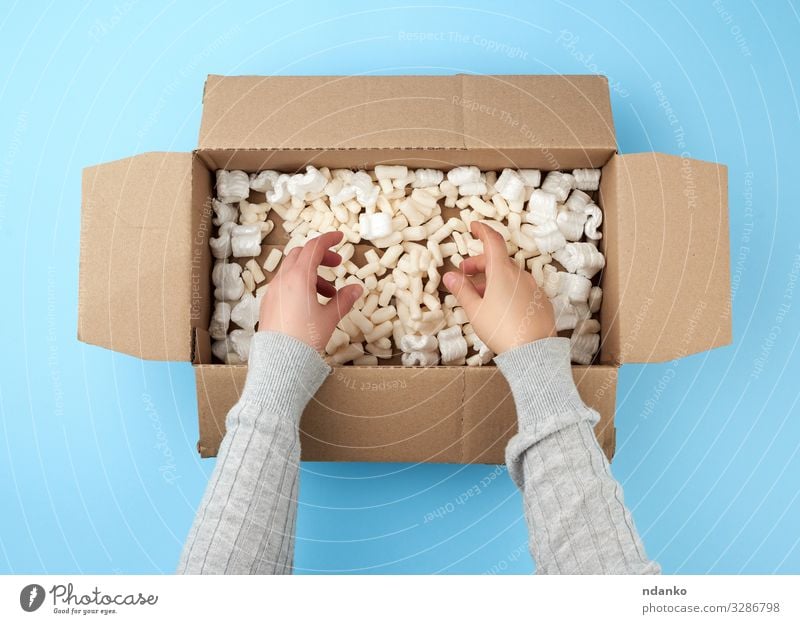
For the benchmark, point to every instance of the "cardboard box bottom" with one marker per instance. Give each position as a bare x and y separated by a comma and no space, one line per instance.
395,414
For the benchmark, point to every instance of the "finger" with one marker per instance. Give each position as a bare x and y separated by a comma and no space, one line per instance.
324,287
473,265
464,290
343,300
290,259
494,247
331,259
314,251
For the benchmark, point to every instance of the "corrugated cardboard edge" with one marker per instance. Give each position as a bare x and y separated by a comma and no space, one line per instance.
466,416
666,231
134,278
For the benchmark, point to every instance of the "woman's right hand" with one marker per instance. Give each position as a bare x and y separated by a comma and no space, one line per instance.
504,303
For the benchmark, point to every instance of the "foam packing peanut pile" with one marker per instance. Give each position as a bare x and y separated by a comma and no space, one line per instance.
403,229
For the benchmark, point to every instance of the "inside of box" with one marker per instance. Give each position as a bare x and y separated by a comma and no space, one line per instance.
206,162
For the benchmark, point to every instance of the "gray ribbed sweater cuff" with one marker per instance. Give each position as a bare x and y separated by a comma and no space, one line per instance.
283,373
540,376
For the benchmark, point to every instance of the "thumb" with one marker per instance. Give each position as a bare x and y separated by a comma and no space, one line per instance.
341,303
464,291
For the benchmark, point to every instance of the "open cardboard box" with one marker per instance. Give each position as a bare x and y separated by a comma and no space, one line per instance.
145,265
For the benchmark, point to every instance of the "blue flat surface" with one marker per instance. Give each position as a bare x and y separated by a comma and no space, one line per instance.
98,467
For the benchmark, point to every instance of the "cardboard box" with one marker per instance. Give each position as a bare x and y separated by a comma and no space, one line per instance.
145,262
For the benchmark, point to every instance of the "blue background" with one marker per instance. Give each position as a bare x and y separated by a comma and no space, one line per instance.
98,468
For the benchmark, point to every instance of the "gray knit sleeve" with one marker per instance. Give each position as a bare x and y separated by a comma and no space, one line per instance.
577,520
245,523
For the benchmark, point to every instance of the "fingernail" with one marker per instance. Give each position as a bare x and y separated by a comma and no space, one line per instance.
449,279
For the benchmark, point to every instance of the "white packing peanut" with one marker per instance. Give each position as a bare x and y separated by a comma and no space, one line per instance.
485,209
337,340
390,172
375,225
452,345
383,314
549,238
571,224
582,347
577,201
220,320
587,326
559,184
223,213
232,186
379,350
420,358
221,245
566,316
581,258
427,177
361,321
223,350
586,179
459,176
245,313
536,266
386,294
595,299
347,353
366,360
272,260
382,330
473,188
531,177
245,240
541,207
240,341
312,181
227,281
594,218
263,181
255,270
280,191
510,185
370,305
248,281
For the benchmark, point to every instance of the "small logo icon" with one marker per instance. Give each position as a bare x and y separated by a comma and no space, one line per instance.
31,597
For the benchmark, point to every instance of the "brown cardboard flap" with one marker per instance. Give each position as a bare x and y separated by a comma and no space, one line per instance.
135,259
666,237
502,113
387,413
